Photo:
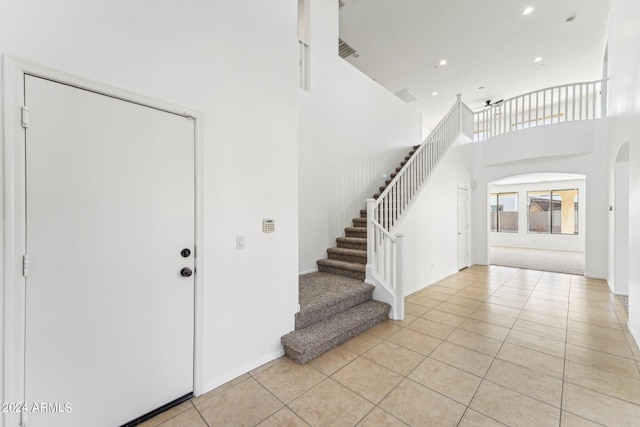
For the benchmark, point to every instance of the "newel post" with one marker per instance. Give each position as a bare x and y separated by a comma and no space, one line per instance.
370,236
398,313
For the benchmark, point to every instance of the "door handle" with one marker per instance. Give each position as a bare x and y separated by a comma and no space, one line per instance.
186,272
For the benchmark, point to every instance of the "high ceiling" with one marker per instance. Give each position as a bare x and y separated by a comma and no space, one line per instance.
489,46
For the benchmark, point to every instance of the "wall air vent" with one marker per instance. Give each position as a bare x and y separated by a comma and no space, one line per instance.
344,49
406,96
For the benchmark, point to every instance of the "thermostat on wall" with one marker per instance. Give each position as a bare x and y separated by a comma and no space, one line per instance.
268,225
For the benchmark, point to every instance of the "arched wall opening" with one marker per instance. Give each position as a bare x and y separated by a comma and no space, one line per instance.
537,221
621,221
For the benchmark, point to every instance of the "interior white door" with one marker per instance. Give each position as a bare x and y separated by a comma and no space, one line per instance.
463,228
110,207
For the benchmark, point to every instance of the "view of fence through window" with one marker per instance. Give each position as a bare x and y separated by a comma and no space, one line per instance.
504,212
554,212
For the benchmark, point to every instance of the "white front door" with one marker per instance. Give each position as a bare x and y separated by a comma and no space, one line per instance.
110,207
463,228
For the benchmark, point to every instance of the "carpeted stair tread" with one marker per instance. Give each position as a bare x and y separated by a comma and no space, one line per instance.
322,295
307,343
352,242
356,232
347,254
360,222
345,268
353,266
347,251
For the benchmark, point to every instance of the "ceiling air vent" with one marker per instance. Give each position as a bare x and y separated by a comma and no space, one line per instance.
344,49
406,96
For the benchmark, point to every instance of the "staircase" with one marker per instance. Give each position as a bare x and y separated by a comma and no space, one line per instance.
349,258
335,303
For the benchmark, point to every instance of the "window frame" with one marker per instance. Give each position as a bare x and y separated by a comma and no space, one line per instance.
551,210
498,210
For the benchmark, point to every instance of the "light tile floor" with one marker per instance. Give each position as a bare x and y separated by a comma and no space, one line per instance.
489,346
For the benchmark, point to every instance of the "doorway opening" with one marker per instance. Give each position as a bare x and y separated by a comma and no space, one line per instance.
19,358
537,221
621,222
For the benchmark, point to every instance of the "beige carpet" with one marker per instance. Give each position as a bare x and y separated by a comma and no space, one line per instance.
538,259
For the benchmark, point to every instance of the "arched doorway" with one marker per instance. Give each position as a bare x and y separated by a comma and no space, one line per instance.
621,222
537,221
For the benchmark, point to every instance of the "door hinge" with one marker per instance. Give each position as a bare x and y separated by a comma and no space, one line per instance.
25,117
25,265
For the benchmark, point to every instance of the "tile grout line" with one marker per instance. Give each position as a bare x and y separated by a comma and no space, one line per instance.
575,286
485,374
484,378
566,359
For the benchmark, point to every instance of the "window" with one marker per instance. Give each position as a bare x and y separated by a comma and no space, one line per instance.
504,212
553,211
303,44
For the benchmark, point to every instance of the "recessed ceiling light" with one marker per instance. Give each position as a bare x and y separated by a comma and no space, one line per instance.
443,62
434,93
527,11
538,59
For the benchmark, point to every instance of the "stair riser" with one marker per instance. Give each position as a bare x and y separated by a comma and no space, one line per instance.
360,275
348,258
357,233
320,315
311,354
348,245
360,222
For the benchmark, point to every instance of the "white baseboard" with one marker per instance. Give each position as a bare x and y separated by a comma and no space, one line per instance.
307,272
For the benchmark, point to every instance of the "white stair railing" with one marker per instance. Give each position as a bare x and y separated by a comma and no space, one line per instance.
384,249
570,102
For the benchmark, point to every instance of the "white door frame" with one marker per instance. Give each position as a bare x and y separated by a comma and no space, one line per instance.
12,139
466,190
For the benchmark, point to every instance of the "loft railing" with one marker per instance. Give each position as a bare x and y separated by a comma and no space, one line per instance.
384,249
570,102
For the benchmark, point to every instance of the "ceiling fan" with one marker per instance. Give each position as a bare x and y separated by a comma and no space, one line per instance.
489,104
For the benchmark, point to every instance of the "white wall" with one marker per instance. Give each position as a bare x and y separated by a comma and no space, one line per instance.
624,126
620,229
431,224
524,239
352,131
237,63
566,147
